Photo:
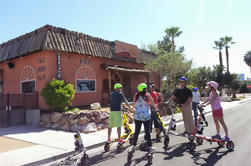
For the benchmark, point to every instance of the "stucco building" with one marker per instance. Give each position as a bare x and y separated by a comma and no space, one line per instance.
92,64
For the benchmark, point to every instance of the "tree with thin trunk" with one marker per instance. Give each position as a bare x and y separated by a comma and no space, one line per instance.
226,41
247,59
172,33
219,45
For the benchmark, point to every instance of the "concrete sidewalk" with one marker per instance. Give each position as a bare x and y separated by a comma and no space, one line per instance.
51,145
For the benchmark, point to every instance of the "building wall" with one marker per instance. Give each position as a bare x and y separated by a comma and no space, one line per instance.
42,67
38,66
71,63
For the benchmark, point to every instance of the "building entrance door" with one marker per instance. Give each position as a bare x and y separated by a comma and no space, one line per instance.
127,89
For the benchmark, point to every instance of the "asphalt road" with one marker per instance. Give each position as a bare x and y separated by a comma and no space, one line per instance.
238,120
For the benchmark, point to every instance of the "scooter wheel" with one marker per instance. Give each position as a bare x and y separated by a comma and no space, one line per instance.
191,137
84,160
107,147
119,148
149,158
191,146
143,146
166,141
131,140
158,138
129,157
230,145
77,146
199,141
221,143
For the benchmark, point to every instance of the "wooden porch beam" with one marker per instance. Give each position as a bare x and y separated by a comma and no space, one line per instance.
109,82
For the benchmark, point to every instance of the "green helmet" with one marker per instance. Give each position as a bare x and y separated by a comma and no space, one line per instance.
118,85
141,87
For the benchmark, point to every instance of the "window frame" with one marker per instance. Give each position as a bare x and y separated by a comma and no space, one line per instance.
76,81
21,83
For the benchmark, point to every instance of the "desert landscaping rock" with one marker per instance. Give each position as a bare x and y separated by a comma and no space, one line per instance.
95,106
45,118
82,121
55,125
65,127
101,126
63,120
104,115
88,121
89,127
55,116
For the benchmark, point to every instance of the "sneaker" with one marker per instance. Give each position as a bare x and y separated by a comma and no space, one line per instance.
184,133
226,139
109,141
120,141
216,136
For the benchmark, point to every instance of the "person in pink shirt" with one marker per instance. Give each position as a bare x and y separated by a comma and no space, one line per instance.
214,100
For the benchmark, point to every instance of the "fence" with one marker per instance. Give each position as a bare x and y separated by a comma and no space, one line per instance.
13,106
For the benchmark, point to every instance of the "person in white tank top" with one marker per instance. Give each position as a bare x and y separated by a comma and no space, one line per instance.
195,101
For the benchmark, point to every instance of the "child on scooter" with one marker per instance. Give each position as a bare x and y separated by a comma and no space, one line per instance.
195,102
214,100
115,117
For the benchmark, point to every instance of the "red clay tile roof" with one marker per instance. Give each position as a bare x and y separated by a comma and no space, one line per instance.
54,38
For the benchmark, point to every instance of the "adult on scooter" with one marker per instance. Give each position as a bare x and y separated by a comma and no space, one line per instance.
115,117
142,115
183,96
154,96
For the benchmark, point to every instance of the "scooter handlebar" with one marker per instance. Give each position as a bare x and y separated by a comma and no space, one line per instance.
201,107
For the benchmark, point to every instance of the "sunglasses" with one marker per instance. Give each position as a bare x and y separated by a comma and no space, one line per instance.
182,81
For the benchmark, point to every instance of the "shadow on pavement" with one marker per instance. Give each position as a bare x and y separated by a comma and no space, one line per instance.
178,151
214,156
205,157
105,156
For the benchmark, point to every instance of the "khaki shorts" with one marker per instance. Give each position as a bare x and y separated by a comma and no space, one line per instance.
115,119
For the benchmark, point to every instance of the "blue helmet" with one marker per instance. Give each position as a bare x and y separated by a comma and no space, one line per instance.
183,78
195,89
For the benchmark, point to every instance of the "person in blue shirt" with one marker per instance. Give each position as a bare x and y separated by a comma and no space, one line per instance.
115,117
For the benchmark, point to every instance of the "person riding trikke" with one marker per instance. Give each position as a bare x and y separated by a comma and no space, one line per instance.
214,100
195,102
154,96
142,115
115,117
183,97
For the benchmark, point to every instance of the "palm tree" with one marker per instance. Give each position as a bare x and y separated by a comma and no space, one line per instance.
226,41
173,32
247,59
219,46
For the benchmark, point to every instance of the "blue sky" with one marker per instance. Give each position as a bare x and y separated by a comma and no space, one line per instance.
141,22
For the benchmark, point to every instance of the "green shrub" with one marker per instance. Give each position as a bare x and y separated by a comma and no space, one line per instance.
58,95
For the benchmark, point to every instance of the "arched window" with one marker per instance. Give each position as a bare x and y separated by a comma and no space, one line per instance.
28,80
85,79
